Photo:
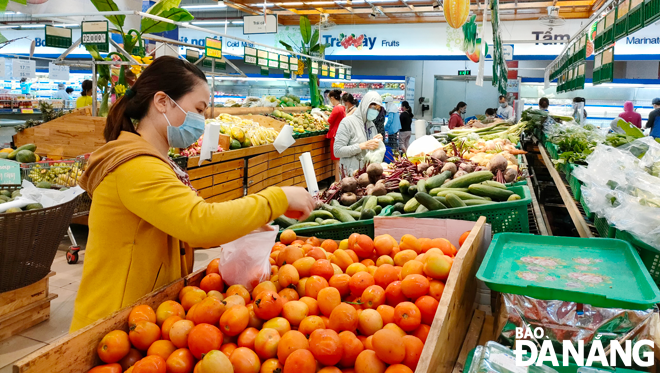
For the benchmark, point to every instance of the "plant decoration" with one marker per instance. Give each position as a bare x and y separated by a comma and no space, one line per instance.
309,45
132,40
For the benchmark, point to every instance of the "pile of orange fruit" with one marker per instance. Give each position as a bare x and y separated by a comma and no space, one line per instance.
360,306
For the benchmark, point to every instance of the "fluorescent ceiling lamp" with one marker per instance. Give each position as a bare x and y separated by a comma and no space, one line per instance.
257,5
293,3
32,26
236,22
312,3
8,27
68,25
199,23
221,4
384,1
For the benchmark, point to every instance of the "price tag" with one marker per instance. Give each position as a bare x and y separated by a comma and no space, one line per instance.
284,66
10,172
249,51
252,60
27,111
623,8
600,27
95,33
598,61
342,71
608,56
324,70
213,48
58,72
273,64
581,69
58,37
315,65
609,19
315,71
262,54
263,62
341,76
24,69
273,56
284,59
192,55
332,72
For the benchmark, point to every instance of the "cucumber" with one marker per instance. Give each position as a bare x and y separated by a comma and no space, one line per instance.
421,186
387,211
437,180
358,203
30,147
385,200
496,194
463,195
367,214
342,215
412,190
354,214
398,197
421,208
396,213
429,202
442,200
318,214
399,206
435,191
477,202
513,197
469,179
285,222
304,225
454,201
411,206
371,203
494,184
359,209
378,209
319,220
403,186
335,203
330,221
326,207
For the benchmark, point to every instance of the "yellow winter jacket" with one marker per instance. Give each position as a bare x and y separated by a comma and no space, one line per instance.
140,210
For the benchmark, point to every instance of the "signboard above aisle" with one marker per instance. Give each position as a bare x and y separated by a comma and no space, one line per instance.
260,24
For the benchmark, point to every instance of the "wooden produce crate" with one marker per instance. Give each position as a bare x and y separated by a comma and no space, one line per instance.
76,353
68,136
23,308
213,112
218,182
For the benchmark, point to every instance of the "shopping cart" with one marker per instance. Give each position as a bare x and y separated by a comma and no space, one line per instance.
62,174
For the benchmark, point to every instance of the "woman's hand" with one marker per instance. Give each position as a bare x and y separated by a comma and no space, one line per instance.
299,200
378,137
369,145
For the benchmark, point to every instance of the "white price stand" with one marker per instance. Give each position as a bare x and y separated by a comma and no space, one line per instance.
310,174
24,69
58,72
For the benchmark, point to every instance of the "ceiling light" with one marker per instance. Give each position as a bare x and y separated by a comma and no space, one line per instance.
68,25
257,5
8,27
210,23
385,1
293,3
32,26
221,4
236,22
320,3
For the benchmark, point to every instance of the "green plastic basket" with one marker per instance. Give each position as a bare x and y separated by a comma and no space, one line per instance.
601,272
651,11
587,213
576,187
650,255
605,230
510,216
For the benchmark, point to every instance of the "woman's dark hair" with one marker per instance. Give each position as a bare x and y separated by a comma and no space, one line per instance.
406,106
458,107
502,97
173,76
86,87
69,90
347,97
490,111
336,94
579,99
544,102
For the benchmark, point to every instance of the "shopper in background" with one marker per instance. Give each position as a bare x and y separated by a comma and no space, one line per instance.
326,100
69,91
505,111
350,103
61,93
337,115
357,134
456,115
25,86
630,116
86,96
491,113
393,123
544,103
143,205
653,115
406,118
576,101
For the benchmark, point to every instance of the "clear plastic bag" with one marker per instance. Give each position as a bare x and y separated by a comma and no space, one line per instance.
245,261
376,155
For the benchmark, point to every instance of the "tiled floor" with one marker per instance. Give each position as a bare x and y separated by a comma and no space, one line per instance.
65,285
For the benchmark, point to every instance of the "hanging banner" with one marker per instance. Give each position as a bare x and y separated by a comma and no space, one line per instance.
58,72
260,24
95,33
58,37
24,69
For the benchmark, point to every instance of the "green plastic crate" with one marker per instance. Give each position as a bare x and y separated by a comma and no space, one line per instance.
650,255
601,272
651,11
576,187
636,18
508,216
587,213
605,230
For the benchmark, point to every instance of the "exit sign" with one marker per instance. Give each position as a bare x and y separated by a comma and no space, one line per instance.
464,72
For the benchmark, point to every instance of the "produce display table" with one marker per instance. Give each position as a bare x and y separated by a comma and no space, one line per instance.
76,353
23,308
235,173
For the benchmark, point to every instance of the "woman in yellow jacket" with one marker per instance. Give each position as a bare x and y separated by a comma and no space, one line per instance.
143,205
86,97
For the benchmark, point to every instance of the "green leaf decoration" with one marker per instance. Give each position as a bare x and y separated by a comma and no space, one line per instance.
109,6
150,26
287,46
305,29
163,6
315,37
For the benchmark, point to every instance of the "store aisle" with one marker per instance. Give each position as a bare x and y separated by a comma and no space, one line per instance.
65,284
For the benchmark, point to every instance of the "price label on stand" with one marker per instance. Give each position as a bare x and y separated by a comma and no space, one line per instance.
348,74
213,48
10,172
332,72
58,37
95,33
293,63
324,70
58,72
250,56
284,62
24,69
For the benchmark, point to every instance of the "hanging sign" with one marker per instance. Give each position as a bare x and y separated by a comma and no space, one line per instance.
273,60
58,72
260,24
264,71
324,70
10,172
58,37
287,74
250,56
464,72
24,69
332,71
262,58
348,74
293,63
213,48
284,62
95,33
192,55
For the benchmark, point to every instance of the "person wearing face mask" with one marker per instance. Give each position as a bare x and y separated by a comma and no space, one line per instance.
338,113
349,103
505,111
357,134
456,115
143,206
